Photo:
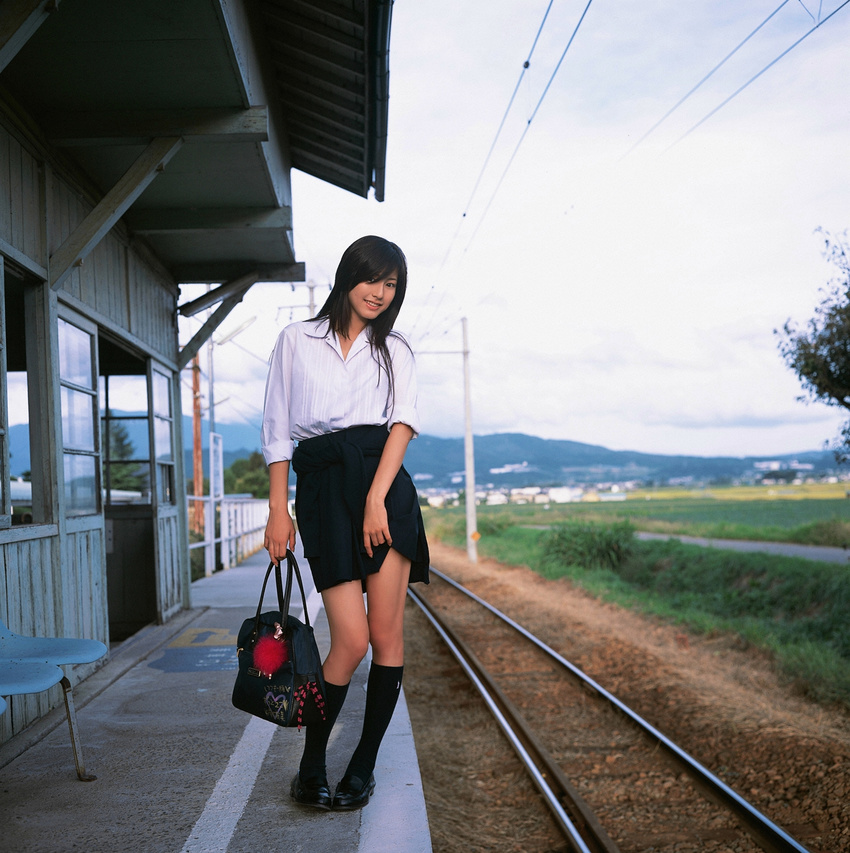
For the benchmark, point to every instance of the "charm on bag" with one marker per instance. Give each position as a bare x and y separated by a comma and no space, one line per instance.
271,653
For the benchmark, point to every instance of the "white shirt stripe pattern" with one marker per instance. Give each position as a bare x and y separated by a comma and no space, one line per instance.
312,390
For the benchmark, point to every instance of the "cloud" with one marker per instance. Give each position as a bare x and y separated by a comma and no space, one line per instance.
628,301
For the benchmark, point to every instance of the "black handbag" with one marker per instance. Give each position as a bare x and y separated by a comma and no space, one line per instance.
280,670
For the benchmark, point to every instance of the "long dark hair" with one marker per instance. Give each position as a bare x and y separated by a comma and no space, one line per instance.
368,259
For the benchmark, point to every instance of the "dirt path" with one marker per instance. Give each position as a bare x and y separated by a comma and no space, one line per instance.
721,702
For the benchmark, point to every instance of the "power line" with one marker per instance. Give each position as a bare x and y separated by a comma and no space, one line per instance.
704,79
756,76
525,67
528,124
807,10
521,139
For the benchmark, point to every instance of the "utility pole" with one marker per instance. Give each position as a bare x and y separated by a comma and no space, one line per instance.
311,304
197,454
472,535
469,457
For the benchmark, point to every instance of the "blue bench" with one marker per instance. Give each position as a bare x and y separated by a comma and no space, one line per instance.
32,664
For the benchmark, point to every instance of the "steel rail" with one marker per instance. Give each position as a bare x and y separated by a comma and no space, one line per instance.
770,837
563,820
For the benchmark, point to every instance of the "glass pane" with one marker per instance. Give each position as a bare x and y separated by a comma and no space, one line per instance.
128,395
75,356
126,438
129,483
21,498
22,468
19,431
161,397
165,475
80,484
77,420
162,440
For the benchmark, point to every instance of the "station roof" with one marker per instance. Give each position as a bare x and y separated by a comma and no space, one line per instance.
212,102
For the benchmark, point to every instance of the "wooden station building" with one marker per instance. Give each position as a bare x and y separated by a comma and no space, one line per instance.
143,145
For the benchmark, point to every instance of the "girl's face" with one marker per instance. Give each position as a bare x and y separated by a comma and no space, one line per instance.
369,299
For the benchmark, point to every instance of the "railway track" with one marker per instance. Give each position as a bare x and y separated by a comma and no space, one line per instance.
582,746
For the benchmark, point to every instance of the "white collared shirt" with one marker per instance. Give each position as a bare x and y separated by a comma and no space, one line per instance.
312,390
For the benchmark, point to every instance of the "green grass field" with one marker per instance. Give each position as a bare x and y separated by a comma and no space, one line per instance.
809,515
796,610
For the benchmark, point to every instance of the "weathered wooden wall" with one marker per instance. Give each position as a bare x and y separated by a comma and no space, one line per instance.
21,221
53,576
114,282
169,549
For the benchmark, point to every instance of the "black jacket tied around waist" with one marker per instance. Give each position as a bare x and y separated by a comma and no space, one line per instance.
334,474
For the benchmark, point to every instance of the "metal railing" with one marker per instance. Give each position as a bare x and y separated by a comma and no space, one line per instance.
233,525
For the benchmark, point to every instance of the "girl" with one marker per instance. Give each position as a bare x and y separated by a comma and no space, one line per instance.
343,386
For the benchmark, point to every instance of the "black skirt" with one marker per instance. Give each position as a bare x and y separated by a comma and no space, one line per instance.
334,472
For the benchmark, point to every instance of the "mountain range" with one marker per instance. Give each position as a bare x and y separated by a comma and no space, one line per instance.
516,460
508,459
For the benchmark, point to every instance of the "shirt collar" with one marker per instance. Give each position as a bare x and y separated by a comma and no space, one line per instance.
321,329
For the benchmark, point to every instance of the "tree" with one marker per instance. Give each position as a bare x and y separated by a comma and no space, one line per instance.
123,475
819,353
248,476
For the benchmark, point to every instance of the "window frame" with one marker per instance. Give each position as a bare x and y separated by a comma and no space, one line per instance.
89,328
5,480
164,470
107,419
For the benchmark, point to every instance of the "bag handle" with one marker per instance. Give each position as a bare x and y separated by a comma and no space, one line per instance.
292,569
283,599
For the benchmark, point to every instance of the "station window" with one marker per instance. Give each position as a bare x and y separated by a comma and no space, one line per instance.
80,440
125,438
5,480
16,469
163,430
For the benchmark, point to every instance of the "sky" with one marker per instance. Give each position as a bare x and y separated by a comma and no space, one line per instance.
619,290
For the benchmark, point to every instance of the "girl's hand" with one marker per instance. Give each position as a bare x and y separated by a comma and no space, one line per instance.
280,535
376,528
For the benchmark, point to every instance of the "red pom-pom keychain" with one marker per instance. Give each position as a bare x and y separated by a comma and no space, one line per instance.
270,652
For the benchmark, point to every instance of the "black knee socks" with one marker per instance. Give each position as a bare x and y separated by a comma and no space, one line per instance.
382,693
312,766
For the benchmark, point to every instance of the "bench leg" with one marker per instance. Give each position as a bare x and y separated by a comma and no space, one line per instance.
76,744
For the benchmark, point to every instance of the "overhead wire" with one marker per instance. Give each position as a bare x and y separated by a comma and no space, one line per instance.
704,79
807,9
521,139
755,77
187,384
204,375
528,125
820,21
525,67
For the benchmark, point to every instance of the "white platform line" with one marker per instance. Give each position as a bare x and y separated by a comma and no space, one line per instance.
215,827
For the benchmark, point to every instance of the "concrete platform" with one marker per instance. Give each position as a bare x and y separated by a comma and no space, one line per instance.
180,769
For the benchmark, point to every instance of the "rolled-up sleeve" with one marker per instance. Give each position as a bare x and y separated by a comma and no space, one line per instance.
276,440
405,390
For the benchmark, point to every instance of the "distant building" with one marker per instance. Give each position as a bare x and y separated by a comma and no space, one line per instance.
565,494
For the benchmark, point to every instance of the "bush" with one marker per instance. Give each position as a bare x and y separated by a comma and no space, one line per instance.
493,525
590,545
794,600
833,532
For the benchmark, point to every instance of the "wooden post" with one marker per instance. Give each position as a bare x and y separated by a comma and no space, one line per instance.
469,457
197,453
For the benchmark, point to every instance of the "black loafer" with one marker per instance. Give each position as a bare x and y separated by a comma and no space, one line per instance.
353,793
312,793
